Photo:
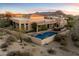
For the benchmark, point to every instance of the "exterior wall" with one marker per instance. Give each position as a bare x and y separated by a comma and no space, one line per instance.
36,17
36,40
47,40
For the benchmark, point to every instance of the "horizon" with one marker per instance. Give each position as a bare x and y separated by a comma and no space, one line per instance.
26,8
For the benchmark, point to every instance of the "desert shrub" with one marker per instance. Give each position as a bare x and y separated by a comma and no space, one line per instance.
64,48
11,39
61,39
4,23
2,33
63,43
21,44
76,44
57,38
18,53
4,45
51,51
1,37
25,44
74,38
33,45
70,21
27,39
41,52
4,49
22,47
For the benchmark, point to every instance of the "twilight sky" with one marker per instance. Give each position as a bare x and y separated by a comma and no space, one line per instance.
68,8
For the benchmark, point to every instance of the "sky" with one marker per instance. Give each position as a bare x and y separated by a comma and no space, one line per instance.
68,8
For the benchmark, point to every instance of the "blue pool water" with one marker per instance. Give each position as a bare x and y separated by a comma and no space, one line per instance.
45,34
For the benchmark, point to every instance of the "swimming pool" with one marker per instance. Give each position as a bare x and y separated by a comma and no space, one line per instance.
45,35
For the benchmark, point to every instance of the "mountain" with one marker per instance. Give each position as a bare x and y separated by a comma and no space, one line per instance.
56,13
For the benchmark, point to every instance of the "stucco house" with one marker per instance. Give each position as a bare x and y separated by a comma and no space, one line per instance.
22,23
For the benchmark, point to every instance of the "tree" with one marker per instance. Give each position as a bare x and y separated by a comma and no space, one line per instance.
8,17
56,27
4,23
70,21
34,26
75,31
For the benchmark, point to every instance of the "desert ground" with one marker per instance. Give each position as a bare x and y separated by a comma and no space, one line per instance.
11,45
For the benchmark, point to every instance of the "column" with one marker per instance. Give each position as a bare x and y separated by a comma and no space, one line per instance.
29,27
49,26
19,26
46,26
24,26
37,29
13,25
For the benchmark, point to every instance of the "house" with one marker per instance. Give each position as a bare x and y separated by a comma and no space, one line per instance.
22,23
36,17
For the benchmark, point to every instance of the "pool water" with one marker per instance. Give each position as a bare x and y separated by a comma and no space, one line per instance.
45,34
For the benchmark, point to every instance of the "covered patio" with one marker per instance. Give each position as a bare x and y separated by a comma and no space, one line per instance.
26,24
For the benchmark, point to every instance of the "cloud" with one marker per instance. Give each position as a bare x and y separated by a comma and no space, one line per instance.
71,12
40,10
74,4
